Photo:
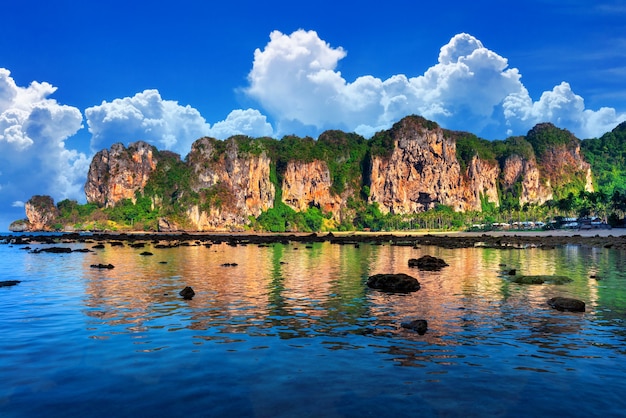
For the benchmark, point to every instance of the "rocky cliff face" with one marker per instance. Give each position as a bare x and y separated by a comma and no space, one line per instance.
564,163
118,173
534,188
233,185
41,213
422,170
414,168
308,184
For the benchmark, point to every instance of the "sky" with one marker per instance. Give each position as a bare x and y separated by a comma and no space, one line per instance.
79,76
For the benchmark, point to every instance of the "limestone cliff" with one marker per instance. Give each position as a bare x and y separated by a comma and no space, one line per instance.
422,170
309,184
232,185
412,167
120,172
534,188
481,184
41,213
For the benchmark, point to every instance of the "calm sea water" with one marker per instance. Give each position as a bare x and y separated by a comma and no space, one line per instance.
293,331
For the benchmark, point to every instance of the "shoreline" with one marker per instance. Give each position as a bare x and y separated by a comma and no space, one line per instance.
599,238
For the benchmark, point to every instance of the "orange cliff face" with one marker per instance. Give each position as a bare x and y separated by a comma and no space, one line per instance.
231,181
422,171
120,172
240,180
309,184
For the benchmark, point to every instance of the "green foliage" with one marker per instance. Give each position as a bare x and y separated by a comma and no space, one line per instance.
381,144
607,156
277,219
250,146
170,181
344,155
371,218
129,214
469,145
515,145
544,136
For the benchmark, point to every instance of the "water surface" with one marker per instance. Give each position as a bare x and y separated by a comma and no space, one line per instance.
292,330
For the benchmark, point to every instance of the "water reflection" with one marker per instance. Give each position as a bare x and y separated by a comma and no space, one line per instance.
296,291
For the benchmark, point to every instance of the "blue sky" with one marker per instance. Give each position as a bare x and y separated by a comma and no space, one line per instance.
78,76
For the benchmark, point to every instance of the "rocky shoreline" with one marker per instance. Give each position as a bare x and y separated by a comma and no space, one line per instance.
599,239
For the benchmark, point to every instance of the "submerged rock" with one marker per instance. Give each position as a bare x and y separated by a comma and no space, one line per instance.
567,304
187,293
418,325
54,250
428,262
399,282
7,283
102,266
540,279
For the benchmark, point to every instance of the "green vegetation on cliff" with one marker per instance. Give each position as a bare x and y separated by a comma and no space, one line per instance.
607,156
172,187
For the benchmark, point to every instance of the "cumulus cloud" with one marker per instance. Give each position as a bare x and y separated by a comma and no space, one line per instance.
165,123
145,116
295,79
33,154
248,122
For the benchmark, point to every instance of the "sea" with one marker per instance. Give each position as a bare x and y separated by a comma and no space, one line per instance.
291,330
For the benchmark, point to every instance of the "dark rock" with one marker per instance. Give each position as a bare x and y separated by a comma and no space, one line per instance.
98,246
102,266
540,279
7,283
187,293
138,244
230,265
82,250
400,282
512,272
418,325
567,304
54,250
428,262
146,253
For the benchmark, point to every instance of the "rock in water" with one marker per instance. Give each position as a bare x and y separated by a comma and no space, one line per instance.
540,279
418,325
428,262
567,304
187,293
102,266
400,282
7,283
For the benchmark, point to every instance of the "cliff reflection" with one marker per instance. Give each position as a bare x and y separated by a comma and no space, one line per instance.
299,291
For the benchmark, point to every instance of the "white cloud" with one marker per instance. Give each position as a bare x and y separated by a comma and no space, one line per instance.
471,87
33,154
145,116
18,204
165,123
248,122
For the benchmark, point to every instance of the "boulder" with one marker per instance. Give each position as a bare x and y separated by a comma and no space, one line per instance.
187,293
418,325
102,266
428,262
54,250
567,304
399,282
540,279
